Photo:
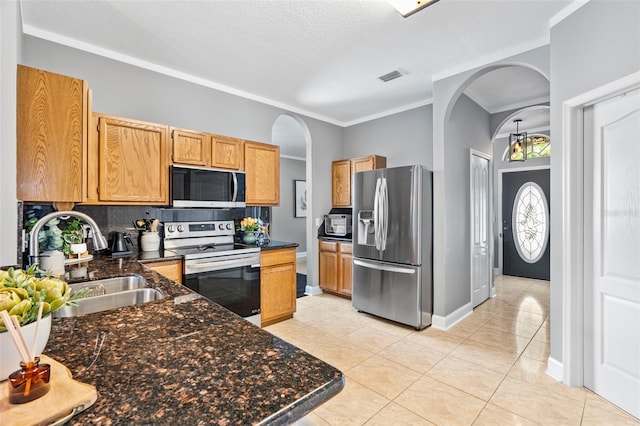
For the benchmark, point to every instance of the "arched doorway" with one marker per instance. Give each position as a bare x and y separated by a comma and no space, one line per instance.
465,119
291,220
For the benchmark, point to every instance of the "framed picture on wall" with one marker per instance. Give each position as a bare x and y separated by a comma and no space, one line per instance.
300,200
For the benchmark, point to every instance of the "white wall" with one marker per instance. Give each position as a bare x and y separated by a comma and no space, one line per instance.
284,225
9,56
469,128
404,138
597,44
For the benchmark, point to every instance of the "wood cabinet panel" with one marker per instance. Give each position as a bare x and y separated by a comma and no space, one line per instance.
262,168
227,152
192,148
345,270
341,183
171,269
51,136
371,162
133,161
277,285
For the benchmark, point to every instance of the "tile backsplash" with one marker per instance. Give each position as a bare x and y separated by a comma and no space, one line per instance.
121,218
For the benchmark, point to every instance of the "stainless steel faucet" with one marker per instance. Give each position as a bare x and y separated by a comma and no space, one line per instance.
99,241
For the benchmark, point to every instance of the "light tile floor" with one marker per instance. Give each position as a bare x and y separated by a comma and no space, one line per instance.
487,370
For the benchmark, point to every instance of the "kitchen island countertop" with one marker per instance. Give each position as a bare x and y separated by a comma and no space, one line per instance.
185,360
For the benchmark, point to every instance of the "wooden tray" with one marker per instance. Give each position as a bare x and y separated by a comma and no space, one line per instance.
66,398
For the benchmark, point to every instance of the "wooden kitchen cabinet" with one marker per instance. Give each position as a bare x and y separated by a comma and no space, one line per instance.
370,162
190,148
277,285
335,266
130,164
51,134
341,183
262,168
227,152
342,173
171,269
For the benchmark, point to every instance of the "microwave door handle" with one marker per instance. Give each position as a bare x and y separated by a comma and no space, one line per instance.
235,187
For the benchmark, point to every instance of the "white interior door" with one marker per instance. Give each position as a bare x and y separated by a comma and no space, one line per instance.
612,250
480,249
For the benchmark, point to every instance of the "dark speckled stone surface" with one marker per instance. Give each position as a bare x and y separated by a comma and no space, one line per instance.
185,361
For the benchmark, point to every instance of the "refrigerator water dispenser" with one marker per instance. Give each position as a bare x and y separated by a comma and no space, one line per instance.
366,228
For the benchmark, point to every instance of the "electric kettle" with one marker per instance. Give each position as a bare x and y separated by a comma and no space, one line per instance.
120,243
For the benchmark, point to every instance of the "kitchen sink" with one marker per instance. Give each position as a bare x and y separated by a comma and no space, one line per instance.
110,285
110,293
111,301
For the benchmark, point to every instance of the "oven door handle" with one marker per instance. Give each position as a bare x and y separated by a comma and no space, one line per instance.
220,264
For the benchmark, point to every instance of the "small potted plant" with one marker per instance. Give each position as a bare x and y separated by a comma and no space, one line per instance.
21,294
249,227
73,236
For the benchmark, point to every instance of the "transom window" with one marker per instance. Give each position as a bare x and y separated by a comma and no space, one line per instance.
537,146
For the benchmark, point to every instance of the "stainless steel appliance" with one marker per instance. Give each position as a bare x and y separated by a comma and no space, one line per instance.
215,267
337,225
392,244
210,188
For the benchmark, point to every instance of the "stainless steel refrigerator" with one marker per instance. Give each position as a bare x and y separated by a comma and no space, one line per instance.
392,244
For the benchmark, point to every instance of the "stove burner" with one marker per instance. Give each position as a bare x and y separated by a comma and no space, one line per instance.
207,247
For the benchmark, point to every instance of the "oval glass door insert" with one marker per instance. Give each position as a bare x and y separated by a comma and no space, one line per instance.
530,222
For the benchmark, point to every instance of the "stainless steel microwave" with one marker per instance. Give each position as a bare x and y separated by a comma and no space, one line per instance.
209,188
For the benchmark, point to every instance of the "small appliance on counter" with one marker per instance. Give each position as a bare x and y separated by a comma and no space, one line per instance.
337,223
120,244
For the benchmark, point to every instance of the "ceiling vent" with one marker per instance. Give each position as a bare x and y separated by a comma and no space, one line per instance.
392,75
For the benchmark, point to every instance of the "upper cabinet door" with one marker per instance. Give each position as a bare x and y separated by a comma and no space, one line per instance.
51,136
227,152
134,161
341,183
192,148
262,168
370,162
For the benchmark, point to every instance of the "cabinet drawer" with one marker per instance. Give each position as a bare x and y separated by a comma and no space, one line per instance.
346,248
328,246
277,257
171,269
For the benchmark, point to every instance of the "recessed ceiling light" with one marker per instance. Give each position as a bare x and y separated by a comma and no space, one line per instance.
409,7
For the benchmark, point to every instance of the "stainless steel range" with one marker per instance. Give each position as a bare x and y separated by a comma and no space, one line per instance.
216,267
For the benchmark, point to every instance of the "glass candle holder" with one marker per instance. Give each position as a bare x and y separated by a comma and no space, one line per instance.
30,382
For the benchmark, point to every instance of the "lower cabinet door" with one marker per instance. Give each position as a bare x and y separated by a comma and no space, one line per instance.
277,293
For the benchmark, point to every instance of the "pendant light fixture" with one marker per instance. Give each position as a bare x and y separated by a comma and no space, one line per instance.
517,144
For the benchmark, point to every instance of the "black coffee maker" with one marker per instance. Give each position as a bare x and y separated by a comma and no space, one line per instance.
120,244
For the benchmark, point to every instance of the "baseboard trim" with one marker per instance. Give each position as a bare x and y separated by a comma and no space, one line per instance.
446,322
312,290
555,369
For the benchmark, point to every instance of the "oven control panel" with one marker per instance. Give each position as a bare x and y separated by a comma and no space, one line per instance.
198,229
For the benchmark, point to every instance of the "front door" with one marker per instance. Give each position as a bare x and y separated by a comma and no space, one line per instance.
525,224
612,250
480,250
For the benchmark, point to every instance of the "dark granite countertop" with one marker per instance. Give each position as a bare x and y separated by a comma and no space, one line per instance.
185,360
340,239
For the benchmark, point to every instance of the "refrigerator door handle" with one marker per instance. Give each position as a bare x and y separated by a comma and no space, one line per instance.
376,215
384,192
379,267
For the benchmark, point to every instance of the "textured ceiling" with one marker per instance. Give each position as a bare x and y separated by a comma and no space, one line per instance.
321,58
